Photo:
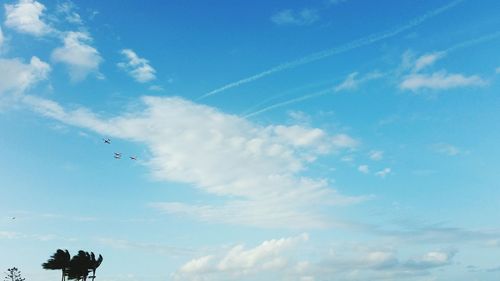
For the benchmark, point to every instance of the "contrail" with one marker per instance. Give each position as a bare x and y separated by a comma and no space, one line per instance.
306,97
328,53
472,42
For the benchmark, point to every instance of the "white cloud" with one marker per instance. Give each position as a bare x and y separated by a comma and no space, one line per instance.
349,83
254,169
17,76
427,60
431,259
440,80
81,58
137,67
241,263
1,37
67,9
290,17
376,155
291,259
497,71
9,235
156,88
383,173
447,149
344,141
363,169
25,17
352,82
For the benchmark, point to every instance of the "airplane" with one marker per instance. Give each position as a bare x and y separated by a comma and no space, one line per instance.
107,141
133,157
118,155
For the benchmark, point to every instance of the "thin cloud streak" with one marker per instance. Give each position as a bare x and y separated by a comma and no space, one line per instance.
338,50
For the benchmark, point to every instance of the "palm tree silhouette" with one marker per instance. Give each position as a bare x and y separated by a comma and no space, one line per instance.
94,264
80,266
59,260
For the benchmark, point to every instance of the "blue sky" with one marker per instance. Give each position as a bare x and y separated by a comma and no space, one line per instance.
293,140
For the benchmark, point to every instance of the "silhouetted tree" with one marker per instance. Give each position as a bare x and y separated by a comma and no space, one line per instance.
94,264
77,267
13,274
80,266
59,260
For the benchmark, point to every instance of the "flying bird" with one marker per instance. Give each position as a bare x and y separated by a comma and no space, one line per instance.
107,141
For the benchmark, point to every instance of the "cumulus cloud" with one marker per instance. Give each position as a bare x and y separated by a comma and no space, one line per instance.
241,263
344,141
290,17
364,169
383,173
17,76
26,17
80,57
376,155
137,67
255,170
289,259
440,80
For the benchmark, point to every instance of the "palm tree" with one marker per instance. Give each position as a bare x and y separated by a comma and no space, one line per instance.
94,264
59,260
80,266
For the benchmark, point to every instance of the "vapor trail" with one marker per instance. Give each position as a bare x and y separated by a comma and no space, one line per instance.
301,98
472,42
347,47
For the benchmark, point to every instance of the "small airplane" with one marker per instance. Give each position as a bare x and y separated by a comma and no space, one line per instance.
107,141
133,157
118,155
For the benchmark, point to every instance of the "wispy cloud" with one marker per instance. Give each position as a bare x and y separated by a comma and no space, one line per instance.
255,169
290,17
427,60
26,17
338,50
447,149
376,155
67,10
440,81
137,67
383,173
124,244
78,55
352,82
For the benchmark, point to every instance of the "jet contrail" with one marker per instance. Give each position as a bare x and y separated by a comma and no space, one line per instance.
327,53
458,46
301,98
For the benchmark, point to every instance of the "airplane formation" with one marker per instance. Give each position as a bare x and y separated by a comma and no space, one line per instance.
118,155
